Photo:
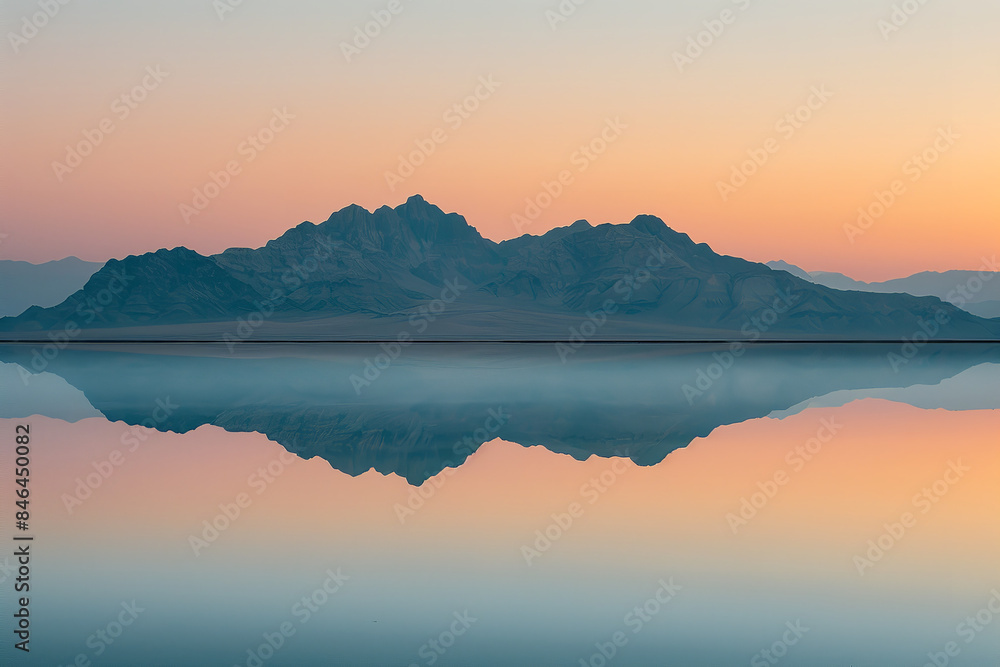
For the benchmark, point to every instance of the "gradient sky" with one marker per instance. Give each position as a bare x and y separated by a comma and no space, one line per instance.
685,130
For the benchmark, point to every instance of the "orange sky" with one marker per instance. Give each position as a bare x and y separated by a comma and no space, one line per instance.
557,89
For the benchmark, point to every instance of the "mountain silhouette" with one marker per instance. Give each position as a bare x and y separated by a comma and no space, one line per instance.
418,272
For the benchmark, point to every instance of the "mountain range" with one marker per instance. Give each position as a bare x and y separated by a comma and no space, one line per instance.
44,285
977,292
416,273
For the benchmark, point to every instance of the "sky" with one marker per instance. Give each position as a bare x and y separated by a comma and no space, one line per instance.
764,128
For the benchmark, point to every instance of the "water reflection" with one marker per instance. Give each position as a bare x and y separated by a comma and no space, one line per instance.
432,407
550,554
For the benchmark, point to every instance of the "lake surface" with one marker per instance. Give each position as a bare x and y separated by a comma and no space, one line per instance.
506,504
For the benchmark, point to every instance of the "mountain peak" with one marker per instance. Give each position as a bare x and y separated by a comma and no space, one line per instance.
349,210
418,207
429,223
651,224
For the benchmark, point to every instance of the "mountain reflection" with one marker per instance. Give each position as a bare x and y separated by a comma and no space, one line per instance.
435,405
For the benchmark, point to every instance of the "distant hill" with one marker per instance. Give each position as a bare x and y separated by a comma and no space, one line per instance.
977,292
790,268
49,284
415,272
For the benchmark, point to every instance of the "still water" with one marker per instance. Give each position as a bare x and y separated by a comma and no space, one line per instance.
506,505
